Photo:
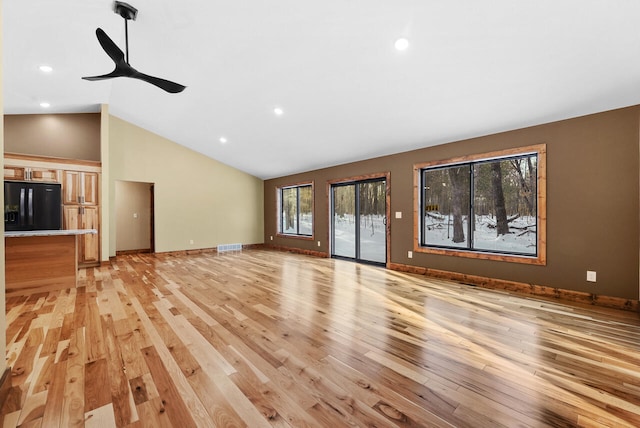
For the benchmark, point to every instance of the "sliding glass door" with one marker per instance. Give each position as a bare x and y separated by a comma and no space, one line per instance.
358,221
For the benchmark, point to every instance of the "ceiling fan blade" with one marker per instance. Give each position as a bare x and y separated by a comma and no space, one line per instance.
122,70
167,85
114,52
115,73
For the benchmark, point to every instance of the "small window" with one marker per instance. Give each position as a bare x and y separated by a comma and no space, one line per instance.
490,206
295,209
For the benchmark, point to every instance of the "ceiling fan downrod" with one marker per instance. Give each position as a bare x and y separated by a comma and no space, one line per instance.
126,41
127,12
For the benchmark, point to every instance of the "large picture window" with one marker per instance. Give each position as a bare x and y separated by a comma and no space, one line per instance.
487,206
296,210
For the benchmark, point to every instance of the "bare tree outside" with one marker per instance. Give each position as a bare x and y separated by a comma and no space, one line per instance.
502,226
459,178
289,210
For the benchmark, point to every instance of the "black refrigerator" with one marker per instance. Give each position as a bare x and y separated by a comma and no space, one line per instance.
32,206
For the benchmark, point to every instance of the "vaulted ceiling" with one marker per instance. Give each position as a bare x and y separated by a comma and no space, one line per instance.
472,68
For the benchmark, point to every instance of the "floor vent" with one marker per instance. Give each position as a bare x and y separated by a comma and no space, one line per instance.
229,247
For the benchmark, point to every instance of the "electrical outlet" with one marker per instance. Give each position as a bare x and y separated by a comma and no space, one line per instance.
191,241
135,215
591,276
410,254
271,237
398,214
318,243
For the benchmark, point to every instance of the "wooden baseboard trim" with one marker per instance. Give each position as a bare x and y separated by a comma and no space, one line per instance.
5,386
520,287
189,252
208,250
297,250
253,246
141,251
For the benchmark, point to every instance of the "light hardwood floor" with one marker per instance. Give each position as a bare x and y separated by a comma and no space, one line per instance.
261,338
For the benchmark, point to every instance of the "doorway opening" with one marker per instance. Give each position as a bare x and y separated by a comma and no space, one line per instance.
134,217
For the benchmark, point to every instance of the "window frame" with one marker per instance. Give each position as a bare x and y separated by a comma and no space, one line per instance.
279,210
540,259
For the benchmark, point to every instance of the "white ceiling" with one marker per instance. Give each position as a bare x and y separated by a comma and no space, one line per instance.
473,68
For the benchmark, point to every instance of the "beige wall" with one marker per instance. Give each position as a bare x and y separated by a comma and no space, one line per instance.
592,203
70,136
133,215
196,197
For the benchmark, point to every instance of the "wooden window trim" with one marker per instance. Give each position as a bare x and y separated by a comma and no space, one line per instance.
541,258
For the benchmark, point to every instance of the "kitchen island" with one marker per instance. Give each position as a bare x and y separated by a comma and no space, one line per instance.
41,260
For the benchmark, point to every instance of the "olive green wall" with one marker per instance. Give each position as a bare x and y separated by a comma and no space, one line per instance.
196,197
592,204
70,136
3,319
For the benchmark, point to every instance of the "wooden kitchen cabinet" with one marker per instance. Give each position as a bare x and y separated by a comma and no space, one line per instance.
79,187
15,173
81,211
21,173
84,217
44,175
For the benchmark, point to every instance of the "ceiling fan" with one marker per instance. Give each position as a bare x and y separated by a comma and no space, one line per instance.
123,69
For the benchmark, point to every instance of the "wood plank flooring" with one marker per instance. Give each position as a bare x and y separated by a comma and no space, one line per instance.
262,338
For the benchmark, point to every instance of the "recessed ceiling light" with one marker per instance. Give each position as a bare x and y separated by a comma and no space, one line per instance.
45,104
278,111
46,68
401,44
223,140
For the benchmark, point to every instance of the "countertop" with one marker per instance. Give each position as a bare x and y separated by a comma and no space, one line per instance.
22,233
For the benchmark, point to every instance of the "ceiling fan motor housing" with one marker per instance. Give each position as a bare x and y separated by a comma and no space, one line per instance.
125,10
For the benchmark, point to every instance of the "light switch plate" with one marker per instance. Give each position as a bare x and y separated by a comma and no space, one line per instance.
591,276
398,214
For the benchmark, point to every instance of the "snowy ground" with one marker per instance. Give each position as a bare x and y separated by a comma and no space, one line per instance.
372,237
521,239
306,225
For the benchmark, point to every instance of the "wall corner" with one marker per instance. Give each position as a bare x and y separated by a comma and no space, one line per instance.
105,196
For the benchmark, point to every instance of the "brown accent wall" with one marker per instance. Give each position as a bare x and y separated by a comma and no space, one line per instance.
70,136
593,170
